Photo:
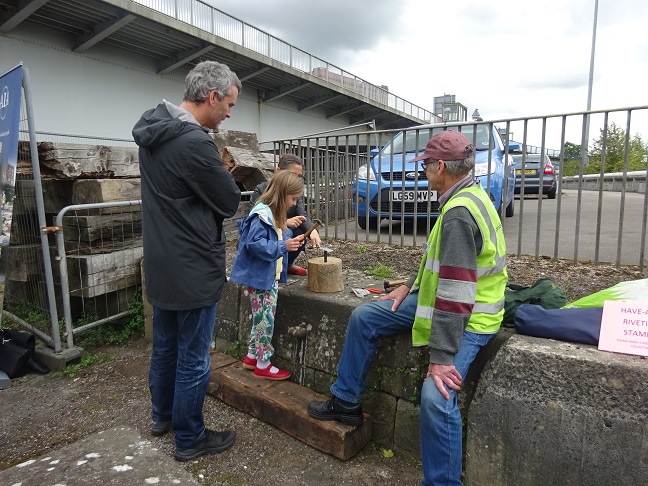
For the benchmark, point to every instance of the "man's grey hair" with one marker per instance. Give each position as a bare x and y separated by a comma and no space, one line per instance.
458,168
210,76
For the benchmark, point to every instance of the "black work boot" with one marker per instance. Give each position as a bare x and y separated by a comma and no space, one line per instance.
161,428
212,442
333,410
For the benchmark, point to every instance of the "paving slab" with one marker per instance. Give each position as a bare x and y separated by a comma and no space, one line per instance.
118,456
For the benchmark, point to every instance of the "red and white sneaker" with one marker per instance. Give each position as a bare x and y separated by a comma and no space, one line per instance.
249,363
267,374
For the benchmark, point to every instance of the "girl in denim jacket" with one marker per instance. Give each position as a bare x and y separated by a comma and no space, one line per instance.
261,263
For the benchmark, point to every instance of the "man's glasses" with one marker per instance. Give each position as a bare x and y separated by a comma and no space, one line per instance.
424,164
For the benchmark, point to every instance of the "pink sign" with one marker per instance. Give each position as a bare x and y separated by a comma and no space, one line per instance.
624,327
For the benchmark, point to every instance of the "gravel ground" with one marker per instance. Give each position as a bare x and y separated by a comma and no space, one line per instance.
39,413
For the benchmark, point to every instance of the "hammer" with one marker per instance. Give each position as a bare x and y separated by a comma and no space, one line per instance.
316,223
393,283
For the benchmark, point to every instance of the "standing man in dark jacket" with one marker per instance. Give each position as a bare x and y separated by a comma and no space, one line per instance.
186,195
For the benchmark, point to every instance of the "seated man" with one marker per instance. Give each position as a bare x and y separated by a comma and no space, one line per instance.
298,221
454,304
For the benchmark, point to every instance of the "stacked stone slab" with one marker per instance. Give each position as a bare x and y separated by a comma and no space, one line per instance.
102,260
103,246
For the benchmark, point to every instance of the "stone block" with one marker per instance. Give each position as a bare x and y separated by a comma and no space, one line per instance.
325,316
321,381
228,306
382,407
402,382
227,330
550,412
57,361
407,436
398,352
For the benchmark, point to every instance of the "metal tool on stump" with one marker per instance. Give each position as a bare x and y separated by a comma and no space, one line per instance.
325,272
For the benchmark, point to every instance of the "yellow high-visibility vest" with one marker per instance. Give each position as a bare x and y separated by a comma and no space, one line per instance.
491,268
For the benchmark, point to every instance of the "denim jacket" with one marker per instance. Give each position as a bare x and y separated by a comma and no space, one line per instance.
259,248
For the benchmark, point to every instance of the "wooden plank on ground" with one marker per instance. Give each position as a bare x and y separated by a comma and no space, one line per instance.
283,405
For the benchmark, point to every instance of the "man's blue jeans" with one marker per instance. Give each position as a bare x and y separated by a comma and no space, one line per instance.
440,418
179,372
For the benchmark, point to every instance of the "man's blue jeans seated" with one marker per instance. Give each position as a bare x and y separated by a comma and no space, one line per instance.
441,431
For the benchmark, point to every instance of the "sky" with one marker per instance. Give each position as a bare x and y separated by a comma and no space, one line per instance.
506,58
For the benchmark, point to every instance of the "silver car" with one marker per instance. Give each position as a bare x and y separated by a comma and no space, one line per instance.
529,166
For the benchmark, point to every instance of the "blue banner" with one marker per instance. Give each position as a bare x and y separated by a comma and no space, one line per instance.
10,99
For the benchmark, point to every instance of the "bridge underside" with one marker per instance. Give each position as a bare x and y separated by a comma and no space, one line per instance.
176,46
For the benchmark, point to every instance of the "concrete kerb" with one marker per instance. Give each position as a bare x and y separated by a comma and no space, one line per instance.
551,412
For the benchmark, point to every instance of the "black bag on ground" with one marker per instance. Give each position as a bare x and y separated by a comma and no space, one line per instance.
17,350
13,357
577,325
543,292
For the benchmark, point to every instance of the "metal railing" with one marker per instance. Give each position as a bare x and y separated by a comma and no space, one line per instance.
98,246
579,225
209,19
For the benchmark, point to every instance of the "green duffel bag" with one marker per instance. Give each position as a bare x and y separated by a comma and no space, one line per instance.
543,292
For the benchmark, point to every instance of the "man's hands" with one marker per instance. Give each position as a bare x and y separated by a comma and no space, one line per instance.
397,295
447,374
293,244
315,239
295,221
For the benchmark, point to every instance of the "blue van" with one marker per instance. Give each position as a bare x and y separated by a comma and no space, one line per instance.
391,181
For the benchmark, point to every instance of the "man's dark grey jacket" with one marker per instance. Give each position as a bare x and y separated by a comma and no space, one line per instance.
186,195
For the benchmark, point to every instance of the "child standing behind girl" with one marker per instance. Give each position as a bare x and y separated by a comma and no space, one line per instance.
261,262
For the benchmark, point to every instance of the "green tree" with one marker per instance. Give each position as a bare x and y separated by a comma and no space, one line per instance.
572,151
615,152
572,154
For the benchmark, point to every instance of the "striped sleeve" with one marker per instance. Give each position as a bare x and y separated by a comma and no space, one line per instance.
461,241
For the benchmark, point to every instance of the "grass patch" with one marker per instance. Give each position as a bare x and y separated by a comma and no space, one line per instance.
113,333
88,360
379,271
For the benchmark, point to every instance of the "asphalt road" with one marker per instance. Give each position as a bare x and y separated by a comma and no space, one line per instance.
617,242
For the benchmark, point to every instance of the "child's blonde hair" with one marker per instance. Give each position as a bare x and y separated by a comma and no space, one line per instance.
282,185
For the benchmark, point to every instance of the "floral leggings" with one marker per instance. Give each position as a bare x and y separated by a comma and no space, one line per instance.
264,305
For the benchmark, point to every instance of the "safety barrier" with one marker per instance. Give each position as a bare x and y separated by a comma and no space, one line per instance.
99,250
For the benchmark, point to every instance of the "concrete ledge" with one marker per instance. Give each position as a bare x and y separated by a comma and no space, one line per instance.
614,181
550,412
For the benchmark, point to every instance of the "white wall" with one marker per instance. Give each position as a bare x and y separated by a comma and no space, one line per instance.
104,91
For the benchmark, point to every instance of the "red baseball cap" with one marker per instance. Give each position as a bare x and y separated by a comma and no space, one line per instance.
447,145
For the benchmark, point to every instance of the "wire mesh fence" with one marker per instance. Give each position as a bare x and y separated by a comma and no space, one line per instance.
26,299
99,249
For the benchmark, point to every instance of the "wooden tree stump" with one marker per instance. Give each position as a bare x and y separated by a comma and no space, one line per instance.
325,276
